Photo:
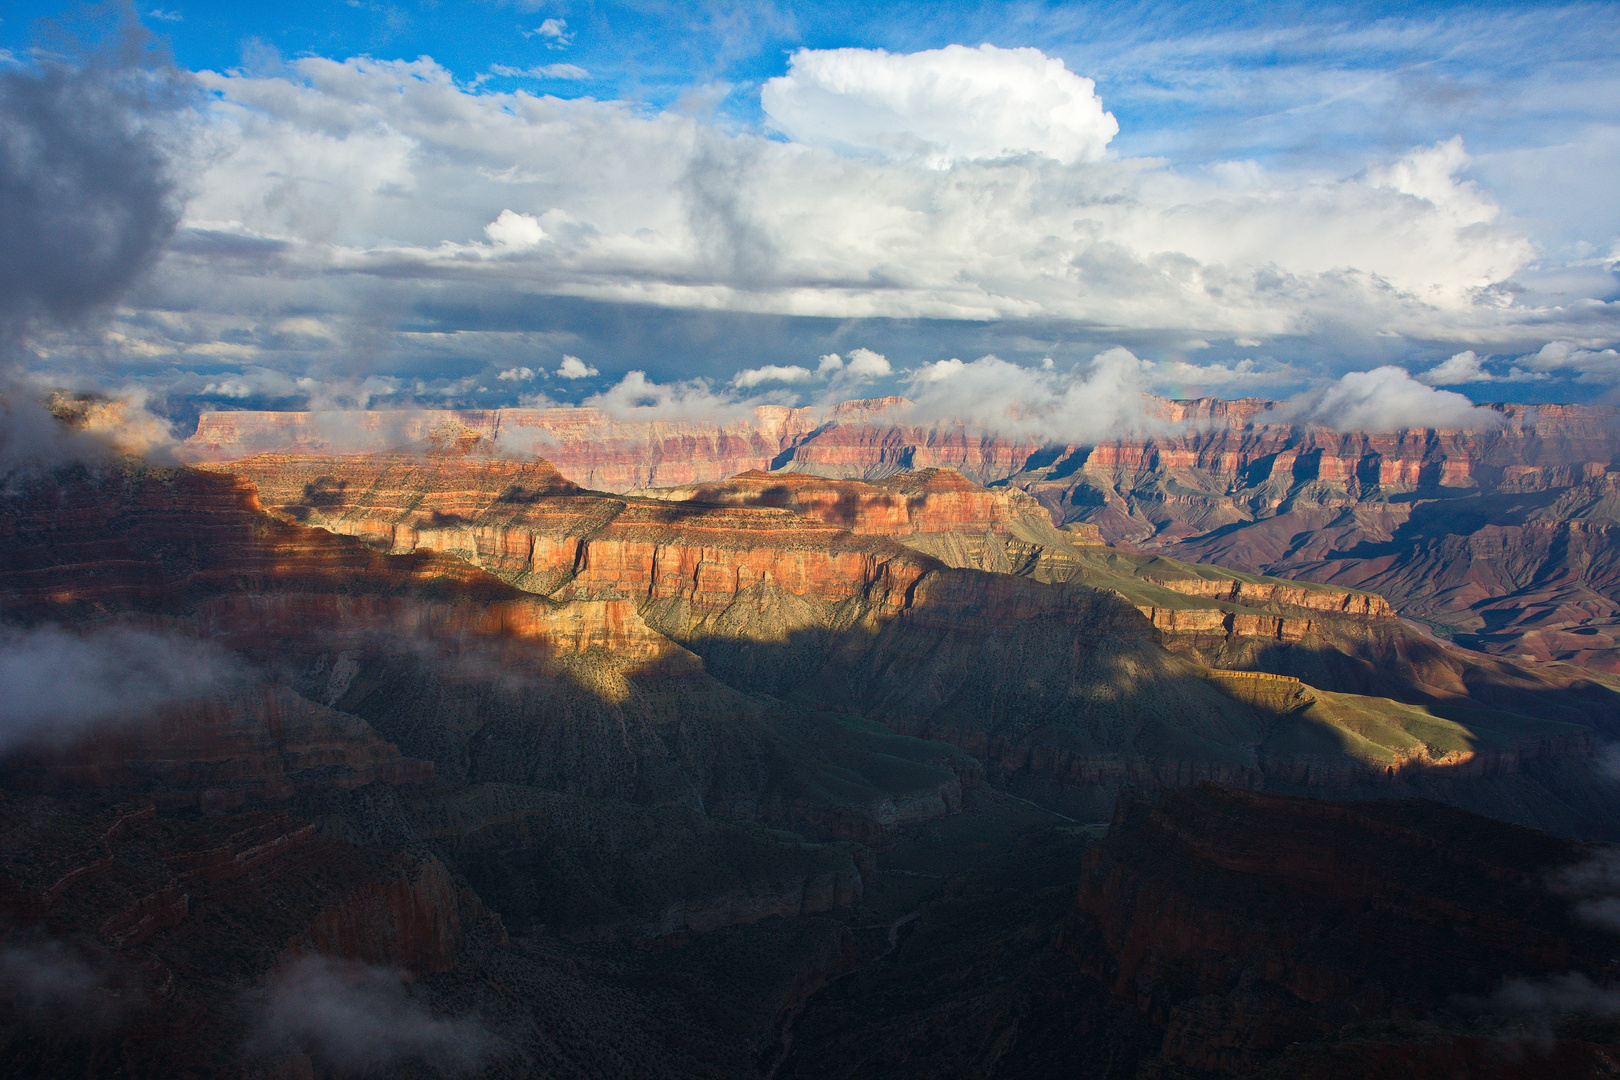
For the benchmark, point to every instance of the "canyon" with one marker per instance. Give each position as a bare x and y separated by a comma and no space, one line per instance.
589,747
1500,538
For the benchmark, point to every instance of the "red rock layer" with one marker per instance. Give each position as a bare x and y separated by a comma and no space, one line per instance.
578,545
1221,483
931,500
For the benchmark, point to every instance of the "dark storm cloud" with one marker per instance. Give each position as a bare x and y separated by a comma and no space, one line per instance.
87,195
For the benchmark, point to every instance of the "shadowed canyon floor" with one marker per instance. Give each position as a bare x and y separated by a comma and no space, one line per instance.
495,774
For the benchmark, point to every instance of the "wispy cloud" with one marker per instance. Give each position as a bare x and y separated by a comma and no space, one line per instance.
554,32
57,684
354,1018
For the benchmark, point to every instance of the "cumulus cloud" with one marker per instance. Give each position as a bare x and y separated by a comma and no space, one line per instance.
1102,400
750,377
635,397
554,31
1588,365
665,210
1463,367
255,382
866,364
56,684
941,106
863,365
352,1018
572,367
518,374
1385,399
371,197
1468,367
514,230
1177,374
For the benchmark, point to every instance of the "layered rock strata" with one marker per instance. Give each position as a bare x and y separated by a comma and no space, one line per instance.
1025,671
392,670
1472,531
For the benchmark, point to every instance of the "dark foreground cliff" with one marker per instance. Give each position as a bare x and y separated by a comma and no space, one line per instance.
1221,933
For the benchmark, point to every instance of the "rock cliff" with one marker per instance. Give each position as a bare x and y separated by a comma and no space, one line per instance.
1471,532
789,586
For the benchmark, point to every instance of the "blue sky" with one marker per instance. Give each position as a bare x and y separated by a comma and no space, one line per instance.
1254,199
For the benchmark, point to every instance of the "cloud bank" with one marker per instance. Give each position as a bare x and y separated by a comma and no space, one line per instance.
1385,399
56,685
1102,400
994,200
87,192
940,106
352,1018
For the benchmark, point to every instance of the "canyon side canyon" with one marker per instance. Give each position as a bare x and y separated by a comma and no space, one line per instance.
543,743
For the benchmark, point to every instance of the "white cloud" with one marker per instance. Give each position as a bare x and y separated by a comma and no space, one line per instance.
56,684
1247,342
100,427
515,230
540,71
1385,399
862,366
943,105
1176,375
635,397
517,374
314,168
866,364
1103,400
750,377
165,16
1430,174
1467,367
1588,365
572,367
1463,367
353,1019
555,31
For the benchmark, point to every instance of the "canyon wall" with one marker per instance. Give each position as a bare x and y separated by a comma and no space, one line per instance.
1502,538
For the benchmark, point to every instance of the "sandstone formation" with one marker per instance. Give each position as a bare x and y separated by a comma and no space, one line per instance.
1500,537
421,670
784,585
